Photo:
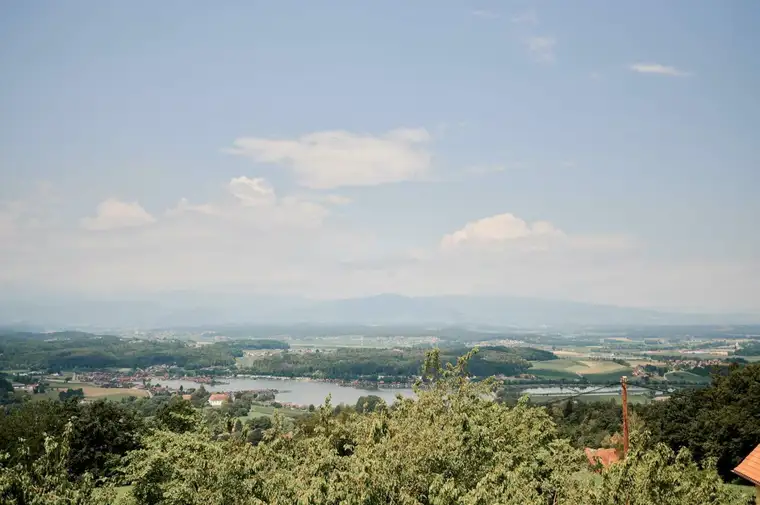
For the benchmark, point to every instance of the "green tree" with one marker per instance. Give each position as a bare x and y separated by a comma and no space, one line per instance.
452,445
103,432
719,422
368,403
177,415
47,481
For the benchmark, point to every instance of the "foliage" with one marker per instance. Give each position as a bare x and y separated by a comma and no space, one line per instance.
452,445
177,415
587,424
391,364
71,393
47,482
655,474
102,432
369,403
720,421
77,350
23,428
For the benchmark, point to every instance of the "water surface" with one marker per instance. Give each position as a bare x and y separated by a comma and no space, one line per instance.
302,392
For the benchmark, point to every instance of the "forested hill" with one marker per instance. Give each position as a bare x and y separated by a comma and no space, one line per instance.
350,363
77,350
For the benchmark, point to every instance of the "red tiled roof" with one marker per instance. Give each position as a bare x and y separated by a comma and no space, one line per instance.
604,456
750,467
217,397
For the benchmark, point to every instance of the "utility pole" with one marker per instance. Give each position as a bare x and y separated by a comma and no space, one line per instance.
624,386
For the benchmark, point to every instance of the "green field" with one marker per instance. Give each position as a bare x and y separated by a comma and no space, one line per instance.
572,369
266,410
632,398
688,377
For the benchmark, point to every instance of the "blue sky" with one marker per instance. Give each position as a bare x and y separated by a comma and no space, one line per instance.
596,151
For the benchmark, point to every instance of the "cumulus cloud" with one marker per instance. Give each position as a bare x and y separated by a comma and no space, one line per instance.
250,239
541,48
254,203
252,192
498,229
112,214
656,68
331,159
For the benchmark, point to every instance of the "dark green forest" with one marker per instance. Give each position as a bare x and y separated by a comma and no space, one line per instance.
85,351
393,364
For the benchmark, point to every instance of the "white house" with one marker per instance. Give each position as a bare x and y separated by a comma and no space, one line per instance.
217,399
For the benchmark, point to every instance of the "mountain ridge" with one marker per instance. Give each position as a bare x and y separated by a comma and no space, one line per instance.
187,309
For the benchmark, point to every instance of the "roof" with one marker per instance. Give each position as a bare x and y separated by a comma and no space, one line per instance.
218,397
604,456
750,467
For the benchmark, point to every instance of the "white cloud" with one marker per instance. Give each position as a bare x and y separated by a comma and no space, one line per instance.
112,214
333,159
484,13
499,229
253,202
252,192
656,68
293,245
541,48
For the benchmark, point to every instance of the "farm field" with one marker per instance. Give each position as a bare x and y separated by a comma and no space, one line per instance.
566,368
90,391
267,411
687,376
632,398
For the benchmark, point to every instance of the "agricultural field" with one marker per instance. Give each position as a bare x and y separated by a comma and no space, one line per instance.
688,377
91,392
566,368
268,411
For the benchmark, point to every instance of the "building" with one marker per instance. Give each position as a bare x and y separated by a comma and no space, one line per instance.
750,469
218,399
604,457
187,397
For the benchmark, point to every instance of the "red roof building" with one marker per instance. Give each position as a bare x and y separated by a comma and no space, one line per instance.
750,470
604,456
217,399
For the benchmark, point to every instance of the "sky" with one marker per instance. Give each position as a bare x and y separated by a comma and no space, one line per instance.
593,151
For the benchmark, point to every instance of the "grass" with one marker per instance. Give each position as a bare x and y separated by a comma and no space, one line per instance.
267,411
90,391
688,377
632,398
593,370
124,495
746,490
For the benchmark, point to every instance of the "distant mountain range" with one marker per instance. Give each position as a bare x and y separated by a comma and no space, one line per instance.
193,309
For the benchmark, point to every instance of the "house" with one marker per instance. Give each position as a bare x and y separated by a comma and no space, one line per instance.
750,470
187,397
605,457
217,399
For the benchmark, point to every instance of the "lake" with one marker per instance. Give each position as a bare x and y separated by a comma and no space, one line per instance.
302,392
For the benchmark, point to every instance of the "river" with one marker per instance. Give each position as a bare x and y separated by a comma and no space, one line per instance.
302,392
